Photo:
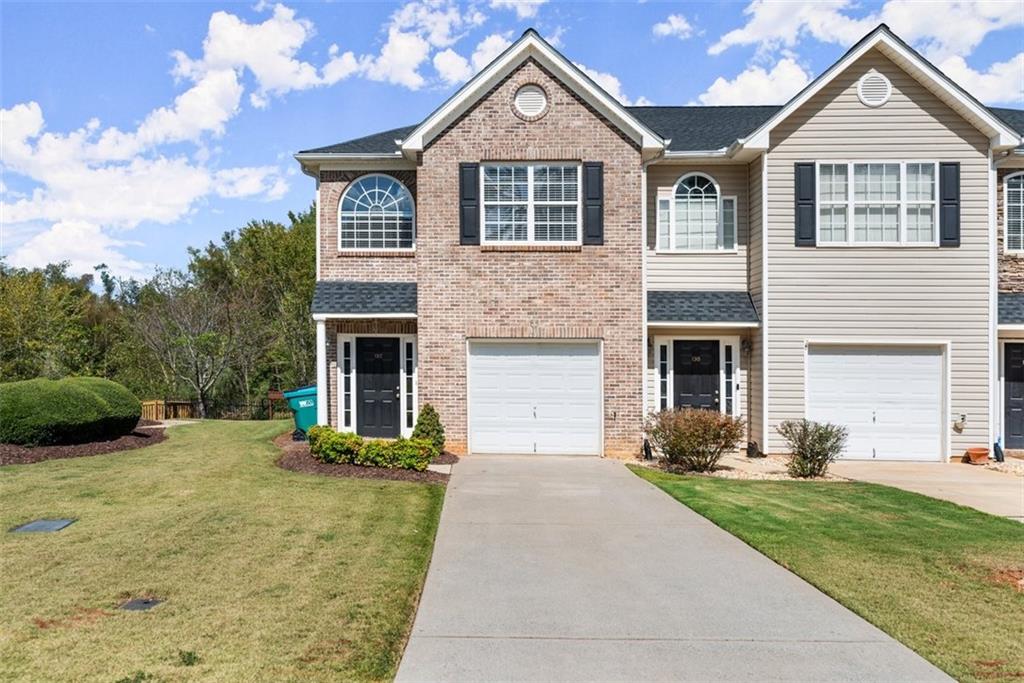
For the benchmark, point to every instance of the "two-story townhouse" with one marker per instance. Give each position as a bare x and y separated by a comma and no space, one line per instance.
546,266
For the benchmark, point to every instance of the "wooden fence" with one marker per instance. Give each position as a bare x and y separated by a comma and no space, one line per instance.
169,409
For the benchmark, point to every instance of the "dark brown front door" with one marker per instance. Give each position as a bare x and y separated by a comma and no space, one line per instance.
377,387
1013,379
696,374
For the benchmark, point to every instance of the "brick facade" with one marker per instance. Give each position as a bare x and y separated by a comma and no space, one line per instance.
470,291
1011,266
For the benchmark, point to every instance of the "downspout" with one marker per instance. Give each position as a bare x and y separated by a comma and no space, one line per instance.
764,301
995,435
643,290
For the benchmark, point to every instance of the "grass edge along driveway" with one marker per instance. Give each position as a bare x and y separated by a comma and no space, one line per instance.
936,576
268,575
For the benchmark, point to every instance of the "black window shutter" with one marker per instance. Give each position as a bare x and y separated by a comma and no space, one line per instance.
805,212
593,202
469,203
949,204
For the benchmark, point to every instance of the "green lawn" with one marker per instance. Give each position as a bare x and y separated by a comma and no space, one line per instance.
923,570
269,575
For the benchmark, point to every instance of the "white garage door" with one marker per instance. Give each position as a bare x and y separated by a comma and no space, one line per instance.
890,399
535,397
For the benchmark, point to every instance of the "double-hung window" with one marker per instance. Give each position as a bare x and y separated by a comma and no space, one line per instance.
878,203
1013,210
694,216
531,203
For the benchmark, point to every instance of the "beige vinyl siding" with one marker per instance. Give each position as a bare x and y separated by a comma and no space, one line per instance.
704,271
651,376
879,294
755,392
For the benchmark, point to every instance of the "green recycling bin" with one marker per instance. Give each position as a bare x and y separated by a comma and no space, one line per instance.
302,401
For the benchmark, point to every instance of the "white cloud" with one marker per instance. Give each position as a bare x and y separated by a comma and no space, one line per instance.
268,50
524,9
955,28
674,25
1002,82
84,245
771,25
611,85
755,85
452,67
488,49
399,60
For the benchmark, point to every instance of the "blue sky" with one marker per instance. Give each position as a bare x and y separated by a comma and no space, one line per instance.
131,131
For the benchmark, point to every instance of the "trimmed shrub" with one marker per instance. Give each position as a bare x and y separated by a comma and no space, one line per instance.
692,439
813,446
407,454
329,446
43,412
333,447
429,427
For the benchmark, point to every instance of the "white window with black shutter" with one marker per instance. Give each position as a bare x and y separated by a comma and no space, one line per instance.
530,203
877,203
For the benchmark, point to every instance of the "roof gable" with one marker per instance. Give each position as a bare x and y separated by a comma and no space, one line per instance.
1001,135
531,45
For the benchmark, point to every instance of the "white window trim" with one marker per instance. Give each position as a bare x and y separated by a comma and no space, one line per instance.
531,204
669,193
402,376
850,204
366,250
1006,215
723,341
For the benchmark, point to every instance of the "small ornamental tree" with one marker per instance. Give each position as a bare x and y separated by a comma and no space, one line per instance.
692,439
813,446
429,427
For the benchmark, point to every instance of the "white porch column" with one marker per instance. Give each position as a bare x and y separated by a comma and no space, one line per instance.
321,372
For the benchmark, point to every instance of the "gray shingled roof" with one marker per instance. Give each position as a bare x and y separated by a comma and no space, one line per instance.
340,297
699,129
700,307
1011,308
378,143
1011,117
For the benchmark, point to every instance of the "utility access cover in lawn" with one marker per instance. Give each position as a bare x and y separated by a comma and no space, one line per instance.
42,525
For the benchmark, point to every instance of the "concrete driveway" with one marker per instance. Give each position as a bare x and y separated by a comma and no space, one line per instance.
574,569
996,493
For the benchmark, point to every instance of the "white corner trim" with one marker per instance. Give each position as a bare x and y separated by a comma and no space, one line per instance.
993,303
321,372
530,45
643,284
1000,135
316,198
363,316
703,325
764,302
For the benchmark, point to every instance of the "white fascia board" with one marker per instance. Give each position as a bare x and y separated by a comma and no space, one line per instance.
363,316
1011,327
662,323
531,45
1000,135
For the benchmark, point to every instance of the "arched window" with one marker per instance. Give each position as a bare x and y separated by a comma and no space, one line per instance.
695,216
377,213
1013,210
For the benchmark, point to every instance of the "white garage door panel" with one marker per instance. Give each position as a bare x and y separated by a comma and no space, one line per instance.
529,397
890,399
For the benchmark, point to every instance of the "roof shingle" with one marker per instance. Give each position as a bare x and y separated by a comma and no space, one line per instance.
1011,308
342,297
700,307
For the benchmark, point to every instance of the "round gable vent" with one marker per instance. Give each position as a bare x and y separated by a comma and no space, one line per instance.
530,101
874,89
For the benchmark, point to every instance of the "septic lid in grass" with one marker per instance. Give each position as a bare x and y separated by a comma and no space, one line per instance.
42,525
141,604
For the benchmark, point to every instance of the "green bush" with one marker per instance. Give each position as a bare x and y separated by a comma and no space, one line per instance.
42,412
329,446
429,427
333,447
812,446
692,439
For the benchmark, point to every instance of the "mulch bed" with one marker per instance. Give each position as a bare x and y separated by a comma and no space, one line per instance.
11,454
297,458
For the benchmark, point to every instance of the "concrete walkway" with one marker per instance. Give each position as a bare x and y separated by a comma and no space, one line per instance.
996,493
574,569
